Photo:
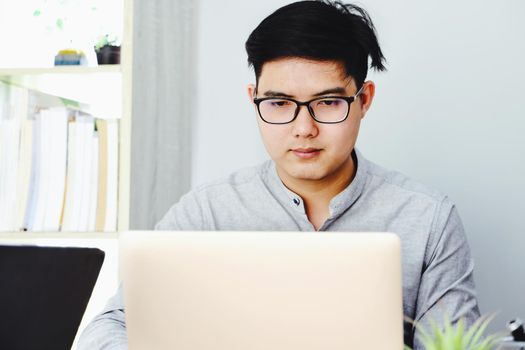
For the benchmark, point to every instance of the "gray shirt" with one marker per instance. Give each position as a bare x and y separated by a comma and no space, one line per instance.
436,261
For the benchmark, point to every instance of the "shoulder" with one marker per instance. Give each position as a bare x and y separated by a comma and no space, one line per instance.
197,208
383,179
245,179
409,199
427,214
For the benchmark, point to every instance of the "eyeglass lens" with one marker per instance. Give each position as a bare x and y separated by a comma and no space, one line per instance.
324,110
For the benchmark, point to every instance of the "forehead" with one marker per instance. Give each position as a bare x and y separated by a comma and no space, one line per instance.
302,76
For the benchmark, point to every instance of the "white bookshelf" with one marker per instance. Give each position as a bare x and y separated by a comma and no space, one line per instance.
104,91
61,70
28,237
97,89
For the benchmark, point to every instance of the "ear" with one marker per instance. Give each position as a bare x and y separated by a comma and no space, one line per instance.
367,96
251,92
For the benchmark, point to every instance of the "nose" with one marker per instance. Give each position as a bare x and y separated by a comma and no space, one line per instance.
304,125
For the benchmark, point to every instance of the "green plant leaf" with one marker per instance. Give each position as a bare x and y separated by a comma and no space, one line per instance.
439,336
470,333
60,23
37,13
481,329
457,337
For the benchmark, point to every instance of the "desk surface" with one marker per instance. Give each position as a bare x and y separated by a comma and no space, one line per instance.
510,345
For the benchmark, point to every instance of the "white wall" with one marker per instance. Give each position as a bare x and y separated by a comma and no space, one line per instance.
450,112
225,135
33,41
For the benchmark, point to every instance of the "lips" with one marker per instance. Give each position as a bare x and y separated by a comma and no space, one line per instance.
306,153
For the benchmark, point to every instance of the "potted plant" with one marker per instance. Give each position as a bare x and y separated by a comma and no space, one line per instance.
67,25
457,337
107,50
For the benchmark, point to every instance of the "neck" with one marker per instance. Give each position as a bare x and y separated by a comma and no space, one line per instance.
317,194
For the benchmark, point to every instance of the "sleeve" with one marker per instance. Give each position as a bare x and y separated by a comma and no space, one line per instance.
447,289
107,331
186,215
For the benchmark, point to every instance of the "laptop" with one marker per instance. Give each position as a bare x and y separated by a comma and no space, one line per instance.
262,290
44,293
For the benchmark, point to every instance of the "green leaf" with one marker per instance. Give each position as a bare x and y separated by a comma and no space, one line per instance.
470,333
37,13
60,23
457,337
481,329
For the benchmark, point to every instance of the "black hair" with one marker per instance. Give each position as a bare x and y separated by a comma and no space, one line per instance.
319,30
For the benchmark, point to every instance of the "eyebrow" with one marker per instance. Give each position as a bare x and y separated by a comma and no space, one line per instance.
271,93
337,90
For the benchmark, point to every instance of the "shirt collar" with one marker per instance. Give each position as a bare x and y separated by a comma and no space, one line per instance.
346,198
288,197
339,204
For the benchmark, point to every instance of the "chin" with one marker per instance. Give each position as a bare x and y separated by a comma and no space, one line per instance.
306,174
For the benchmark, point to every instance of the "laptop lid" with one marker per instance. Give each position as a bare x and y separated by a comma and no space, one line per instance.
44,293
262,290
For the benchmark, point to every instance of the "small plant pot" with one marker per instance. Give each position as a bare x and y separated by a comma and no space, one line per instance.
108,55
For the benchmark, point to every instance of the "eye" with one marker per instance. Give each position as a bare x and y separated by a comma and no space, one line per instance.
330,102
279,103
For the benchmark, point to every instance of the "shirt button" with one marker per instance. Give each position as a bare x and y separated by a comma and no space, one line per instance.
296,201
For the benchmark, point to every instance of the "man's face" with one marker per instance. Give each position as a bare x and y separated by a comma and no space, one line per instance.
305,149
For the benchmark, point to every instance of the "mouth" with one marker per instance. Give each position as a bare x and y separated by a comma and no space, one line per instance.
306,153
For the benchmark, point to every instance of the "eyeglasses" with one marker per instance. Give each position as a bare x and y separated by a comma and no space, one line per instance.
325,110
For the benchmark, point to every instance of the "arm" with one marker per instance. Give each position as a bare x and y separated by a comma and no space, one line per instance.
107,331
447,285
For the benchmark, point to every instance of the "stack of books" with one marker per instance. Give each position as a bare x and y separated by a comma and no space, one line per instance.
58,166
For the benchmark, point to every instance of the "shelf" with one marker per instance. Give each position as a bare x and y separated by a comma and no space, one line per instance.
103,91
96,87
22,236
109,68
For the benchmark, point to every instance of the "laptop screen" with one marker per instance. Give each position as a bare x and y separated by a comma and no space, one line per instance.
44,293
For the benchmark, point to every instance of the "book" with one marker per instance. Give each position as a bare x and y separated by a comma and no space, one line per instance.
113,168
106,217
57,171
70,203
102,131
24,171
33,191
13,115
86,125
48,170
93,184
9,155
77,202
55,120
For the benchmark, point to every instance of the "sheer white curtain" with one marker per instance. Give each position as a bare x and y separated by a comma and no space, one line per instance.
163,106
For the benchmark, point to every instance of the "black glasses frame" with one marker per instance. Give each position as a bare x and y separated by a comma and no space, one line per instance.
298,104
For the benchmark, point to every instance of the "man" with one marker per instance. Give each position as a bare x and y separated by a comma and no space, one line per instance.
311,60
